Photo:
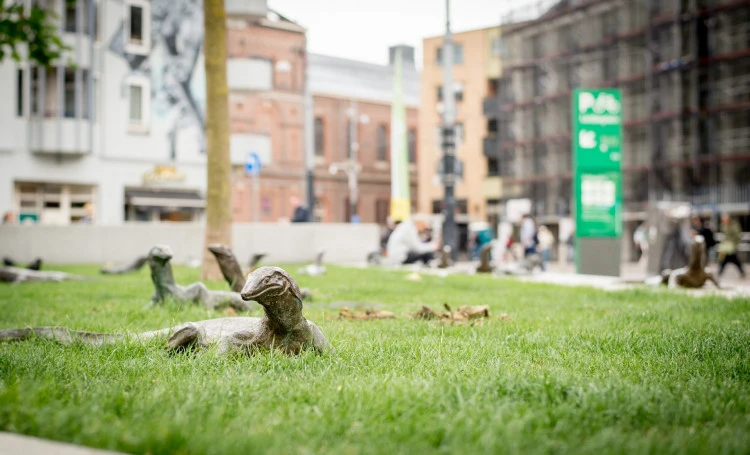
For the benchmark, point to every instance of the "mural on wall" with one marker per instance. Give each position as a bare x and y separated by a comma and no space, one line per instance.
176,69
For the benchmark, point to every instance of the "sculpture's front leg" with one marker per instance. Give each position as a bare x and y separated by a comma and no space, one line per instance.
187,336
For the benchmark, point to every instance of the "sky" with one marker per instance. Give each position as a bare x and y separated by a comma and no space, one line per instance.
363,30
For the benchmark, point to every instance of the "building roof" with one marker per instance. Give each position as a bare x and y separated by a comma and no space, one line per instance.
352,79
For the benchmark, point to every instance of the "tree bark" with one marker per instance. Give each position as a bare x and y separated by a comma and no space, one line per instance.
218,166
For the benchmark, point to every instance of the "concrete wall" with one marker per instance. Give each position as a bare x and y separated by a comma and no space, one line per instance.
90,244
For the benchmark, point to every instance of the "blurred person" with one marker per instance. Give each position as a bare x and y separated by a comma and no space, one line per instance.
546,241
405,245
301,214
571,250
640,239
390,225
8,218
700,228
729,246
529,238
88,218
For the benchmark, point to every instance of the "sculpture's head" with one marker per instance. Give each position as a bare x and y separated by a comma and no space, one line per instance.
161,254
276,292
219,249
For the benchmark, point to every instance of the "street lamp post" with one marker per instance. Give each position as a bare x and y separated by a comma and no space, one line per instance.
351,167
448,138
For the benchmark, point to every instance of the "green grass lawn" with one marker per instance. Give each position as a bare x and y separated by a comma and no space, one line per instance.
577,370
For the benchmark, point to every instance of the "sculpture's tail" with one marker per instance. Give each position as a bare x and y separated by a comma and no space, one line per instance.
59,334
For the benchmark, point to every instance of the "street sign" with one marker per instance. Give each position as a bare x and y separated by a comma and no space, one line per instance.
597,148
597,181
252,164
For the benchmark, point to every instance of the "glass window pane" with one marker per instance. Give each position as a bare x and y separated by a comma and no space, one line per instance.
70,93
136,100
136,24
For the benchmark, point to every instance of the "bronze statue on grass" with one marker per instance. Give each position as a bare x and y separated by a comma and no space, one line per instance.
282,326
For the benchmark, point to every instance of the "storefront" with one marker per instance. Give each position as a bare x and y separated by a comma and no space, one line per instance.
163,197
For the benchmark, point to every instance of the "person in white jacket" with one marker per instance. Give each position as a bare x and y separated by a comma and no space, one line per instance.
406,247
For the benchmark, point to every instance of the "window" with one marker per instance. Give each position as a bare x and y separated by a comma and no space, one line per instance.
69,94
138,27
495,45
19,93
70,17
411,140
437,206
136,24
139,102
136,104
382,139
493,169
319,138
458,91
382,208
458,54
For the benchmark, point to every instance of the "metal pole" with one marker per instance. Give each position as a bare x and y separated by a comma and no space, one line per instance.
449,224
309,142
256,196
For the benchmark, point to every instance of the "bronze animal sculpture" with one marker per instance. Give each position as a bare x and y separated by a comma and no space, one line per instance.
132,267
695,275
229,266
445,257
282,327
485,266
16,275
165,286
255,260
36,264
315,269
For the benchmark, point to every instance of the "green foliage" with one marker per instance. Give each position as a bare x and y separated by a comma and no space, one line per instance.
577,370
34,28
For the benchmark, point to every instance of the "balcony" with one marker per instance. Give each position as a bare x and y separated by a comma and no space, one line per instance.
491,146
62,136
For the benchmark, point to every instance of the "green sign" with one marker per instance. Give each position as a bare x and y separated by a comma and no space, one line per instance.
597,151
599,203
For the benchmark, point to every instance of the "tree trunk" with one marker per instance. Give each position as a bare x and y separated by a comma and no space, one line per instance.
218,167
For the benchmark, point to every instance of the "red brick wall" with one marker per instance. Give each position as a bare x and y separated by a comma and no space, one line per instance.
279,114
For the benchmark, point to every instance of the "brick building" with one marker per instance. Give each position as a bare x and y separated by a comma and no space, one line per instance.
345,91
273,108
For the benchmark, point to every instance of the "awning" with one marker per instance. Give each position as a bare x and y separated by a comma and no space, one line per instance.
154,197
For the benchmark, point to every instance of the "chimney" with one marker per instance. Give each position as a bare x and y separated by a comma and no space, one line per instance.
407,55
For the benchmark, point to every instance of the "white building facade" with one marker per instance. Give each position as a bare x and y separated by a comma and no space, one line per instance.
122,127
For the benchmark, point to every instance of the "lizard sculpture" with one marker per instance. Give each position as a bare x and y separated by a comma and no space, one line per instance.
445,257
485,266
315,269
695,275
36,264
16,275
255,260
134,266
229,266
165,286
282,327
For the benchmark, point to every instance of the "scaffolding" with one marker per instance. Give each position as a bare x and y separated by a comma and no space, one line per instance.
684,69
